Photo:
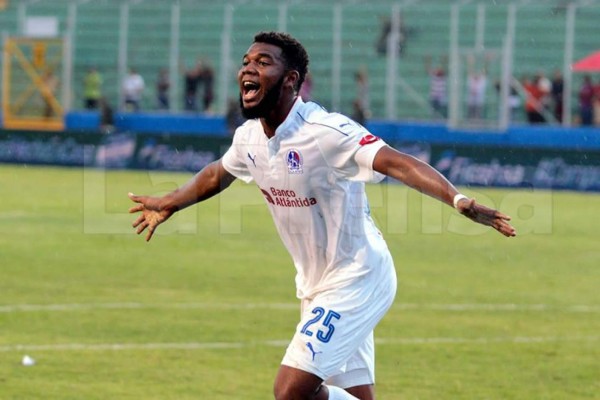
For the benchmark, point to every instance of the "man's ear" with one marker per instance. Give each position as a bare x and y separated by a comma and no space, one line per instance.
292,78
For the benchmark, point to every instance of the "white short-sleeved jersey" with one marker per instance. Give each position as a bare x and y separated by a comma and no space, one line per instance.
312,174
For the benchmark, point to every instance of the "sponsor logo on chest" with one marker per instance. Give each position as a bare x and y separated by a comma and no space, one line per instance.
287,198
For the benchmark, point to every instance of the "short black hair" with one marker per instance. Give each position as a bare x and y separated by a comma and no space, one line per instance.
294,54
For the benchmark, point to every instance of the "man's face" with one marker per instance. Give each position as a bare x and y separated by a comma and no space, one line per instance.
261,79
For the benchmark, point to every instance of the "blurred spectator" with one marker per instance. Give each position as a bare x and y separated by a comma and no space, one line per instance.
233,115
207,79
363,99
476,87
386,29
133,89
557,95
107,124
359,114
92,88
163,85
586,101
437,88
545,87
533,105
191,79
306,88
514,100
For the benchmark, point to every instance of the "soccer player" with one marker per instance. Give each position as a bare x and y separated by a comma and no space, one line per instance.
311,166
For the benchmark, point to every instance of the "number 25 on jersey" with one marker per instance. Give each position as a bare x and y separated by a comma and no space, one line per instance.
325,334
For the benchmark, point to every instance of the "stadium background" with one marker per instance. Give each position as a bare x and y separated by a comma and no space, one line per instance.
517,38
105,315
341,37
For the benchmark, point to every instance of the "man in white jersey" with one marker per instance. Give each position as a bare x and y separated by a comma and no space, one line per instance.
311,166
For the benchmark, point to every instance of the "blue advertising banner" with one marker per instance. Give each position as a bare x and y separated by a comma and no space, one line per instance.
511,167
463,164
25,147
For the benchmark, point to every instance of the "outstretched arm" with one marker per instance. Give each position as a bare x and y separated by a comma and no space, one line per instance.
424,178
210,181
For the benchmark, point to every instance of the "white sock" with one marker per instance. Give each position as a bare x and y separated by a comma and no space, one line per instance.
336,393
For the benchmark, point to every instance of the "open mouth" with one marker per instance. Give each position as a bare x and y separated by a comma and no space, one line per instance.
250,91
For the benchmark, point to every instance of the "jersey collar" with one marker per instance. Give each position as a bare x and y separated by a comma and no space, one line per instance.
290,121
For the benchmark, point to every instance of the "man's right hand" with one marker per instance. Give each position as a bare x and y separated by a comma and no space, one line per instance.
152,214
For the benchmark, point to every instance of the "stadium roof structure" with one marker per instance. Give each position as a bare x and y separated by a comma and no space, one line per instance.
590,63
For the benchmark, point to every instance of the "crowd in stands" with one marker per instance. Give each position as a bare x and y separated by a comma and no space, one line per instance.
535,98
538,98
544,99
200,76
133,89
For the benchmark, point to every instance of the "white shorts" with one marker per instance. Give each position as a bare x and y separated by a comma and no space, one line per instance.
334,339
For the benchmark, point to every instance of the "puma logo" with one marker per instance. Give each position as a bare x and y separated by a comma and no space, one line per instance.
312,350
253,159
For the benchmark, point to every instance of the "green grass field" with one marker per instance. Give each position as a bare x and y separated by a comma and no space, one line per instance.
205,309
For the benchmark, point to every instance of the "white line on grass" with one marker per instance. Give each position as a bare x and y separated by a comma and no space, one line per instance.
15,214
283,343
14,308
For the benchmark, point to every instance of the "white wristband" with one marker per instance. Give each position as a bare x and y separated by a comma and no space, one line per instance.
458,198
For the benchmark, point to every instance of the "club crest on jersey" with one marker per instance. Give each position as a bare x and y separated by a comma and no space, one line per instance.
368,139
294,162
